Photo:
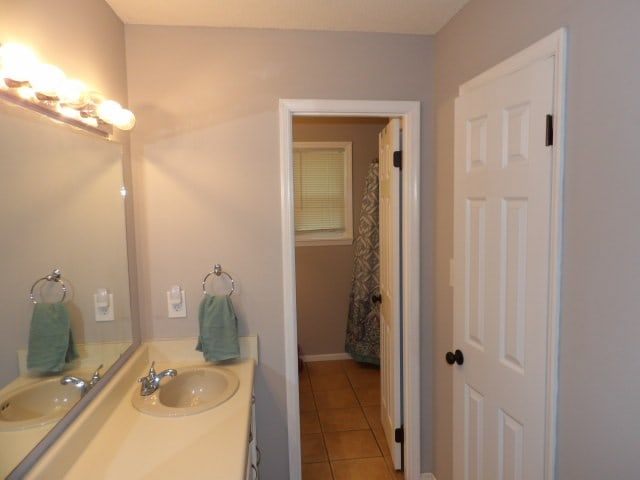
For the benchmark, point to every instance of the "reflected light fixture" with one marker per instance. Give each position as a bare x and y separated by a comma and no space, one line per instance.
42,87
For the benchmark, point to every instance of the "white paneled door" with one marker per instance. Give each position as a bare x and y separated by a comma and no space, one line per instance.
503,225
390,312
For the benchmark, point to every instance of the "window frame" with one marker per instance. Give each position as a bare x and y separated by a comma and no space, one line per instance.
329,238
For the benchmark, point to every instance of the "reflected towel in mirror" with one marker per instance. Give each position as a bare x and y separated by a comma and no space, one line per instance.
51,342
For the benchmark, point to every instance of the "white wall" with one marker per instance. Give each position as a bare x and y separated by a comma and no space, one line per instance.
206,170
598,426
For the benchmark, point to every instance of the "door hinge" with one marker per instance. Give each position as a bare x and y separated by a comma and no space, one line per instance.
399,434
549,133
397,159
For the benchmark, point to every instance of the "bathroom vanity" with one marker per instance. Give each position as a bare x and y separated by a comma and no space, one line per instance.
113,439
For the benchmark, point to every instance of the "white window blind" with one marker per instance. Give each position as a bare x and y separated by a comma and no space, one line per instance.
322,191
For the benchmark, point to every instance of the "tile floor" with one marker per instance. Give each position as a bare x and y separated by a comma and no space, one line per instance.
342,437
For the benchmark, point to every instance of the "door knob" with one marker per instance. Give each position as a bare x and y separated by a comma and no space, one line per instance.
455,357
376,298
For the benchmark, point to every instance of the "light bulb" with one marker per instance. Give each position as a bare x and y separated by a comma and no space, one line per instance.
125,119
96,98
26,93
73,93
47,79
108,111
18,62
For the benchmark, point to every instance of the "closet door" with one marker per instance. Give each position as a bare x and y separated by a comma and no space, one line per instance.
502,246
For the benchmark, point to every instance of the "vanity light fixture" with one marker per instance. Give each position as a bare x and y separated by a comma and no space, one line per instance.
44,88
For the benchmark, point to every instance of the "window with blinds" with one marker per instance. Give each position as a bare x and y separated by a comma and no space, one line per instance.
322,193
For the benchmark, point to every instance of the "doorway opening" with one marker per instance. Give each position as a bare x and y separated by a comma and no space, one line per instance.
409,114
338,246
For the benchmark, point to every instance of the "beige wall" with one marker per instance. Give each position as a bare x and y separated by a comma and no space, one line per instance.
598,431
207,168
323,274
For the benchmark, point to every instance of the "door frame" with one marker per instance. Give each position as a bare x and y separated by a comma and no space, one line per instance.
409,111
552,46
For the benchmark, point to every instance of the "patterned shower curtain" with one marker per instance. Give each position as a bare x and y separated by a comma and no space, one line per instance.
363,325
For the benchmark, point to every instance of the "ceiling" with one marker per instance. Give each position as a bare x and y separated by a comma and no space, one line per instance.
391,16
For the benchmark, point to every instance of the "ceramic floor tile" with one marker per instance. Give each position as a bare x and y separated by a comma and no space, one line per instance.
373,414
364,376
361,469
323,368
307,404
309,422
316,471
335,381
304,387
304,384
348,365
341,419
378,433
368,395
342,423
352,444
313,449
343,398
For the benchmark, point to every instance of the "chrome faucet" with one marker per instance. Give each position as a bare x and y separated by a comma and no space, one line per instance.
83,385
151,382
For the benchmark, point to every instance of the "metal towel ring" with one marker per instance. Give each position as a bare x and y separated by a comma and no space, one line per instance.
217,271
54,277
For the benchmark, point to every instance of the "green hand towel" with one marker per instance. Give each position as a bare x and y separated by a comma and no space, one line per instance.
218,339
50,340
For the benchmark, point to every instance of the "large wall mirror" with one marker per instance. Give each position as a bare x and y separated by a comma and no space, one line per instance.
63,208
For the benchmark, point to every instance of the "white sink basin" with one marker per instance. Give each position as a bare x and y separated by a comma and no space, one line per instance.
35,404
193,390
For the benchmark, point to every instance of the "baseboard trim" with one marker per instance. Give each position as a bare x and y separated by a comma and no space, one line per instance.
326,357
427,476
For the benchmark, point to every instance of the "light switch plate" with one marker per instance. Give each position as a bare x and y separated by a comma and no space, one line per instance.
180,311
103,314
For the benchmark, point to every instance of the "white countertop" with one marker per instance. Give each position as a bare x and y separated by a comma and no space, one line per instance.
133,445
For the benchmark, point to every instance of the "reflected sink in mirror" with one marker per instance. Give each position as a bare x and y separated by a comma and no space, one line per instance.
193,390
36,404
